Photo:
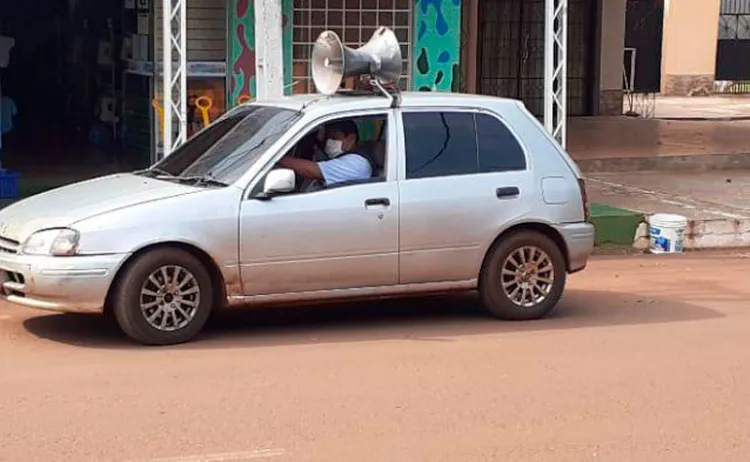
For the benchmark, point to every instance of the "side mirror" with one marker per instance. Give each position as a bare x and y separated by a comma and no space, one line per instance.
278,181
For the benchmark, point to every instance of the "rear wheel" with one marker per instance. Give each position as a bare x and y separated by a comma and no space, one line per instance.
164,297
523,276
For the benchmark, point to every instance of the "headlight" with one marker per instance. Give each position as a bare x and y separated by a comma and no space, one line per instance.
56,242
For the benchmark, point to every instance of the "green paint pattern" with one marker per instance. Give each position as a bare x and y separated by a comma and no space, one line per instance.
241,48
436,51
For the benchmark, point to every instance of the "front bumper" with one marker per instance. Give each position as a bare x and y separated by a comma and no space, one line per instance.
579,238
69,284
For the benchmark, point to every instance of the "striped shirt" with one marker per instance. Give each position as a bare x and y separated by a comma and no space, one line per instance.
348,167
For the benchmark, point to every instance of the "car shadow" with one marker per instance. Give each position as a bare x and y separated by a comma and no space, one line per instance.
418,319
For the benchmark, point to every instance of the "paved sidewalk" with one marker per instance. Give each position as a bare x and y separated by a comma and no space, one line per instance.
613,138
702,107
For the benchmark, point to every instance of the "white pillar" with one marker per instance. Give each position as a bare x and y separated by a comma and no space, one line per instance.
269,54
555,68
174,77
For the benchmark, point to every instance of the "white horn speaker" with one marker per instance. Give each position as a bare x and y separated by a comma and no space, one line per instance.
332,62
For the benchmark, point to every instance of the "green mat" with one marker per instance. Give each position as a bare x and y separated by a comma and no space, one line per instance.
614,225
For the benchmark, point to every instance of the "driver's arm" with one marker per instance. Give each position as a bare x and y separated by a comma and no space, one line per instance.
303,167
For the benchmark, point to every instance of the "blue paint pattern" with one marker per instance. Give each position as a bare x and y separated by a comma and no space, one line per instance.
440,23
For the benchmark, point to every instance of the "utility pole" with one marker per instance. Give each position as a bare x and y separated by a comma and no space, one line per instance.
269,55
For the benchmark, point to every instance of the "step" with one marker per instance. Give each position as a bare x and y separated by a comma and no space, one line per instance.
683,163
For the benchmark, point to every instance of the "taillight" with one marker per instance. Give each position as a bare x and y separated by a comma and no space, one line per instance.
584,199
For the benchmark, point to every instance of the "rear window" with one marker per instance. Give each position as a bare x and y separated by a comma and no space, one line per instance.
459,143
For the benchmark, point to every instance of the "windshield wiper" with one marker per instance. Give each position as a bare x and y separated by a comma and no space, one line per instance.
196,180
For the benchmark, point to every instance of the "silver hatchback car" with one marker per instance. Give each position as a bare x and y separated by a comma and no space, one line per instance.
467,192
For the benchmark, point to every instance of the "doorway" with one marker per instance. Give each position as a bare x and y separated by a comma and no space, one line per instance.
511,52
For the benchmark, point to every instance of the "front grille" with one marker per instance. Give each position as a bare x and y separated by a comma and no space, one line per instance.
9,246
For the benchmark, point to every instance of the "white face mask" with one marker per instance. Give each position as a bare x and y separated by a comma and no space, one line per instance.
334,147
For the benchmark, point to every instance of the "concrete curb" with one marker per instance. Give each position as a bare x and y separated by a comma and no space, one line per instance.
710,225
703,234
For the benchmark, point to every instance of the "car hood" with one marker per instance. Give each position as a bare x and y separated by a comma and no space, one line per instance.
64,206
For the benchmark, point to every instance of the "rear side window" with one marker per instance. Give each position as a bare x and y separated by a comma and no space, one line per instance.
499,150
458,143
440,144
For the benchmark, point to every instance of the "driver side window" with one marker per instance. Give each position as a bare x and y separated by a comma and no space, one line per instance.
348,151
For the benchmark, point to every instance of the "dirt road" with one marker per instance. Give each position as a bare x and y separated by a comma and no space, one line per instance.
647,359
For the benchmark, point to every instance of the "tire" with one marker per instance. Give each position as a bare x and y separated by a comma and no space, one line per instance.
517,296
185,301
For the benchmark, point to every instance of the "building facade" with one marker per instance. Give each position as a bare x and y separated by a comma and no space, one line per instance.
681,48
494,47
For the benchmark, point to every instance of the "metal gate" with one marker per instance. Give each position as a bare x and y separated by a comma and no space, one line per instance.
733,51
511,52
644,27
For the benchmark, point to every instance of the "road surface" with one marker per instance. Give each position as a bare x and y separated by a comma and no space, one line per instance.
647,359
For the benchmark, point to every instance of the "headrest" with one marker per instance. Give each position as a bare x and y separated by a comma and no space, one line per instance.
376,150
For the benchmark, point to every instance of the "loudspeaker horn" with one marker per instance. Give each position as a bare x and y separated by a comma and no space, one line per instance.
332,62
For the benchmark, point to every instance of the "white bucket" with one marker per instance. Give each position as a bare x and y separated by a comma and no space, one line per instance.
666,233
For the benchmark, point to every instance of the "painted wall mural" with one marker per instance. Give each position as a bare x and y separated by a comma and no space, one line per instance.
241,48
436,52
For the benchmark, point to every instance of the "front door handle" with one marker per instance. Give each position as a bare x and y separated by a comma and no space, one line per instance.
507,192
384,201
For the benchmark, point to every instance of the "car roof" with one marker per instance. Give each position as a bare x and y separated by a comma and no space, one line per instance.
356,101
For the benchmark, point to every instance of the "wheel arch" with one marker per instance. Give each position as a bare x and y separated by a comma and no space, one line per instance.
217,278
541,228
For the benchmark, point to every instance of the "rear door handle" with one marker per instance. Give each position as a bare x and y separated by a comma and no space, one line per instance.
384,201
506,192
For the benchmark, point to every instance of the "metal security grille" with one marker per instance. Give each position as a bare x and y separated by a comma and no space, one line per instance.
733,50
734,21
354,21
511,52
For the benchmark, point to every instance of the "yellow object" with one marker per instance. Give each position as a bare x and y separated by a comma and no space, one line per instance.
204,104
160,112
244,99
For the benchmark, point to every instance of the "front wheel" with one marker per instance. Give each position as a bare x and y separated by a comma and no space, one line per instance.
164,297
523,276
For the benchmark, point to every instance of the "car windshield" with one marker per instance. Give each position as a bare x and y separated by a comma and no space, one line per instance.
225,150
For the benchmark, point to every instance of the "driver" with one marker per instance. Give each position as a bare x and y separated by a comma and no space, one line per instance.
344,162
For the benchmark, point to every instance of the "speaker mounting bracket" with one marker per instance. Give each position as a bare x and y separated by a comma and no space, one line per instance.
394,95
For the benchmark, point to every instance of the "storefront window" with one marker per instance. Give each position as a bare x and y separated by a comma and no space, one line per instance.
205,95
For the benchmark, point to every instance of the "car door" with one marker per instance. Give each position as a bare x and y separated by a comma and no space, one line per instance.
338,238
462,179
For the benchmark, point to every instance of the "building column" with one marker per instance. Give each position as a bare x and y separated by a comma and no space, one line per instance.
611,51
470,52
269,62
691,31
